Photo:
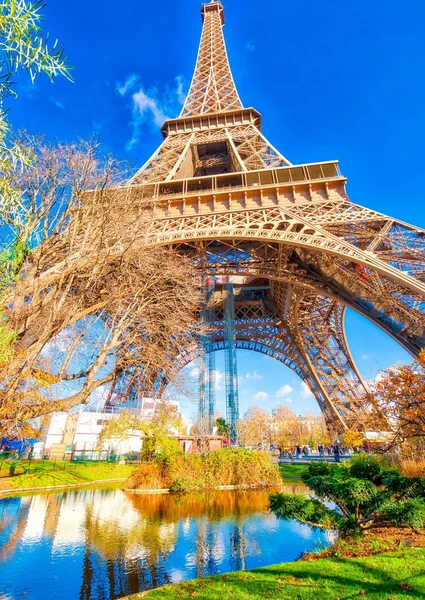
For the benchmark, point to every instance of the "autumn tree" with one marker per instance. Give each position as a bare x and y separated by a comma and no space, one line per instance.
254,428
285,427
353,439
92,306
23,47
314,430
399,394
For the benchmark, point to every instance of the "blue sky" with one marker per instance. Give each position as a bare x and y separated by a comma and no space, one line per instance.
332,80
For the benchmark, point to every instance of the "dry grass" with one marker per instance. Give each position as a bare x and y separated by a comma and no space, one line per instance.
412,467
184,473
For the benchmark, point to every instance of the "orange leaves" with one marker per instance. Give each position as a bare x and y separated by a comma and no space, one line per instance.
351,439
44,379
400,395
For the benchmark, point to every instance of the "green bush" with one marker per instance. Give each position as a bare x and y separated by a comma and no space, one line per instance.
366,493
410,513
301,508
159,447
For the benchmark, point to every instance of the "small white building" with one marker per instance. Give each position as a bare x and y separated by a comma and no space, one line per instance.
53,431
80,432
77,434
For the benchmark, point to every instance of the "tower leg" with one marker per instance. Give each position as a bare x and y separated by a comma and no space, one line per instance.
320,323
232,394
206,406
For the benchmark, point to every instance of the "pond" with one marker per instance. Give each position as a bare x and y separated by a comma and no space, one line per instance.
99,544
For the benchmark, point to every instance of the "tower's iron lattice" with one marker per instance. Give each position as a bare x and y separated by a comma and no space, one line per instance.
301,249
231,368
206,403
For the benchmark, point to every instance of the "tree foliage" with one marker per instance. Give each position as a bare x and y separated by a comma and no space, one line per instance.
84,304
352,439
155,430
399,395
365,491
254,428
23,47
284,428
223,428
209,470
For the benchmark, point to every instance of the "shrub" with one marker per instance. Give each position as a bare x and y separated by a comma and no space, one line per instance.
159,446
366,493
303,509
149,476
191,472
410,513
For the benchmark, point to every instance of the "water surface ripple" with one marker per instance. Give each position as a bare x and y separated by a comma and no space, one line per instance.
103,544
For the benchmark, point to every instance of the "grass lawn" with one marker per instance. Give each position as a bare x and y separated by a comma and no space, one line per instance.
292,471
391,576
47,473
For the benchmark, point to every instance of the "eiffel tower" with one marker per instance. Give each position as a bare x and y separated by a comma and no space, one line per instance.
299,250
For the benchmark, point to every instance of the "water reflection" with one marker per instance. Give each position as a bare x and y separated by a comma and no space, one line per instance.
103,544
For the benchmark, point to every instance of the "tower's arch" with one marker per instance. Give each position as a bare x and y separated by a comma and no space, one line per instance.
395,309
272,350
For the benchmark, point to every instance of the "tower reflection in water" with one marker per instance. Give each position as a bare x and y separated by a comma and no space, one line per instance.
103,544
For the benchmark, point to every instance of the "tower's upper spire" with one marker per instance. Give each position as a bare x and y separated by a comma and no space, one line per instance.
212,88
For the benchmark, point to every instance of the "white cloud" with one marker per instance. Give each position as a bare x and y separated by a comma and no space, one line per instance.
254,375
284,391
57,103
176,575
288,400
249,46
129,83
31,90
142,103
150,106
365,357
305,391
217,374
181,96
260,397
